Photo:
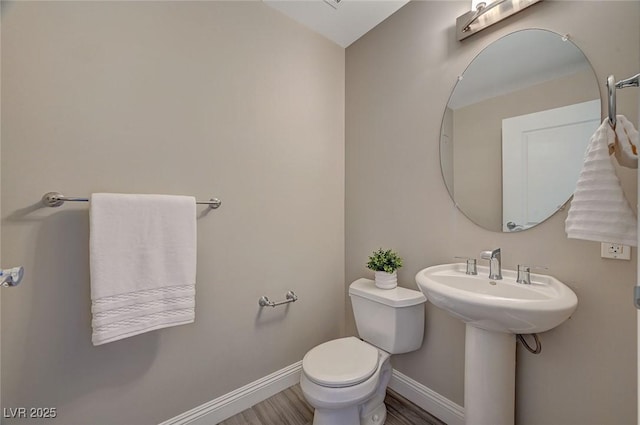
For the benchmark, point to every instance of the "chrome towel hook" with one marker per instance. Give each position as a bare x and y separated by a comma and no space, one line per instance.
612,86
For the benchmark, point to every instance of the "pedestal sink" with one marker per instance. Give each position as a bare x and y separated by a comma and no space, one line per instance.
494,311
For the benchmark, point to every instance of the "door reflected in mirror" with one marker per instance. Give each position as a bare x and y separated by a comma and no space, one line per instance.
516,128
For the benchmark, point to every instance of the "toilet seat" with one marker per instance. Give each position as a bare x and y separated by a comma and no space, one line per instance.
340,363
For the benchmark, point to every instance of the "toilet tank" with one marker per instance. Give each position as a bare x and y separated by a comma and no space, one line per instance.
390,319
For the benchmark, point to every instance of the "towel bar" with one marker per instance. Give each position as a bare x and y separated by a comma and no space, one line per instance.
264,301
612,86
56,199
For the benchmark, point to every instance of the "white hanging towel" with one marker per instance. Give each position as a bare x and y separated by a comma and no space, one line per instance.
143,263
625,144
599,211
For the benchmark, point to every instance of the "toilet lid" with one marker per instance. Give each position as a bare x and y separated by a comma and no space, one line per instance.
340,363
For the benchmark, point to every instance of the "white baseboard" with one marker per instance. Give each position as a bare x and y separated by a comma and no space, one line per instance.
221,408
427,399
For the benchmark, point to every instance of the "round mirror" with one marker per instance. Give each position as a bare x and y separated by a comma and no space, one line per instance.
516,128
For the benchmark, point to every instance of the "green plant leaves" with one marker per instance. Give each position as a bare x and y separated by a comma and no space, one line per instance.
384,261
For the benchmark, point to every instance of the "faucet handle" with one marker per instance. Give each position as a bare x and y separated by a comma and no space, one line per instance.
524,273
471,265
531,267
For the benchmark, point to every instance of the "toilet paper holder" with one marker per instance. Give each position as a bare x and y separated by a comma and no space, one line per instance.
290,298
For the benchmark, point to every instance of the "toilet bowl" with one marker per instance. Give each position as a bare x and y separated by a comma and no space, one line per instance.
346,379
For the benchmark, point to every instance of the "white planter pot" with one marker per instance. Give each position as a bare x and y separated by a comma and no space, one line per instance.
386,280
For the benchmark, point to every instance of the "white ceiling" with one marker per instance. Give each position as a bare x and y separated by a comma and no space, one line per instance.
343,21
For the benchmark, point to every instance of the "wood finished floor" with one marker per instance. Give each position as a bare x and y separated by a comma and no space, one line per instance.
290,408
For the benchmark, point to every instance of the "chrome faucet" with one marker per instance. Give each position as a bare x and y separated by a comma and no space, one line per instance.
524,273
495,263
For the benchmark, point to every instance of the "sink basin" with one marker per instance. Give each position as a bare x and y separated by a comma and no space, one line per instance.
498,305
493,311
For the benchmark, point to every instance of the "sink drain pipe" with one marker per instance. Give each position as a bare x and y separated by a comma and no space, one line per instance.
535,350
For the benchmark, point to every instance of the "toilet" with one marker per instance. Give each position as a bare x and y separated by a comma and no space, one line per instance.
346,379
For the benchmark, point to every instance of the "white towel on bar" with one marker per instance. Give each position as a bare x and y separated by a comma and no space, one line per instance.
625,143
143,263
599,211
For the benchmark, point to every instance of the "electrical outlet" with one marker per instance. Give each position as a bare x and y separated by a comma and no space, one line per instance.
615,251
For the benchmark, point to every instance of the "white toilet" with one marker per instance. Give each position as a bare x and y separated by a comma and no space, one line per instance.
346,379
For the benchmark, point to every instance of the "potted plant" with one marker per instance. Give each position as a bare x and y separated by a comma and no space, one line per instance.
385,264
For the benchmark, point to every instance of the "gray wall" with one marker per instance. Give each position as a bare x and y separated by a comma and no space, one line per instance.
398,79
226,99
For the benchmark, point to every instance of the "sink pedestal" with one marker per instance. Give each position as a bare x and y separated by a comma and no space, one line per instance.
489,377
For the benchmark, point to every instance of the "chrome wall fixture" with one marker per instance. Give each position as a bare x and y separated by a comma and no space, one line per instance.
56,199
290,298
487,14
612,86
11,277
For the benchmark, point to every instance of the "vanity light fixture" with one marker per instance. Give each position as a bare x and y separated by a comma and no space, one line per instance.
486,13
478,4
333,3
